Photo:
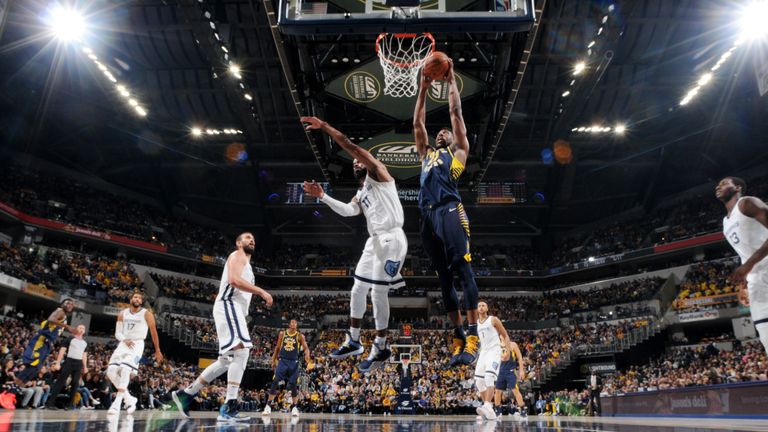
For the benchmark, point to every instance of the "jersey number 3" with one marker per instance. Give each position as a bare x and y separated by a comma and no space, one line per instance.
735,238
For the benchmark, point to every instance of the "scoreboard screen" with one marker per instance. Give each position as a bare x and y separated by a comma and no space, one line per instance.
294,193
501,193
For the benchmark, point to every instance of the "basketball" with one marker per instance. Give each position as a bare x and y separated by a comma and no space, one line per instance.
436,66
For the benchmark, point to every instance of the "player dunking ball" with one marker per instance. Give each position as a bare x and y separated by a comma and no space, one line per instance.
41,344
229,315
746,229
130,331
511,359
379,267
444,223
285,360
493,336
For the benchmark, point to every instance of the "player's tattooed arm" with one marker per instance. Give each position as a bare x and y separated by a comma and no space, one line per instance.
459,129
758,210
419,118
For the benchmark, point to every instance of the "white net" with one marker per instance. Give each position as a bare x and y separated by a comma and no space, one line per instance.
401,56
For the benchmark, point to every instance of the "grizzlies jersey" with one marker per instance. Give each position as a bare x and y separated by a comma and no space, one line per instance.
440,172
232,294
381,206
489,336
290,348
746,235
135,326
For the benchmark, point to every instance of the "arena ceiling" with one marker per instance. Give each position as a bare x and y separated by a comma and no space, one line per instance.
646,56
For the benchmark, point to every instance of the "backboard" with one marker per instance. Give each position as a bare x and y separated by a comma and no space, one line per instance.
305,17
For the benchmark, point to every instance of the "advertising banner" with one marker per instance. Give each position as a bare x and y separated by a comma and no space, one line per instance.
698,316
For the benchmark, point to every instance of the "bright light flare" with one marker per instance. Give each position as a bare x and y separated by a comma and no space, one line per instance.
67,24
752,22
579,68
196,131
620,129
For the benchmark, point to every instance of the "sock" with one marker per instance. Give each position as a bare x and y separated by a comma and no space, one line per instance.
472,329
354,333
194,388
458,332
232,391
380,342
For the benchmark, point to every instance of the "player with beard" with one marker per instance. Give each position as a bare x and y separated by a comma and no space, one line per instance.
229,315
41,344
444,223
745,226
378,269
130,331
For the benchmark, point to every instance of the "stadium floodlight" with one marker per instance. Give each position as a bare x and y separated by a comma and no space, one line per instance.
141,111
566,93
579,68
248,96
707,77
619,129
235,70
67,24
196,131
752,22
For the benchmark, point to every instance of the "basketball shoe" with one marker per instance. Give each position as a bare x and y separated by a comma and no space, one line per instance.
348,348
376,359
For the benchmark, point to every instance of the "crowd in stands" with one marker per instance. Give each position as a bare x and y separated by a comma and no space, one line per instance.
705,280
686,367
64,199
95,277
186,289
562,403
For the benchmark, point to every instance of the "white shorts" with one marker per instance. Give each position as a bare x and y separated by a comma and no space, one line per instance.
231,326
488,362
382,260
757,286
125,356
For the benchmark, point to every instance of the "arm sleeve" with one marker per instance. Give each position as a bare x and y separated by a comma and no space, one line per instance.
346,210
119,331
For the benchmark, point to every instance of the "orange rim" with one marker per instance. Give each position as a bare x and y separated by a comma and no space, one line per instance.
404,36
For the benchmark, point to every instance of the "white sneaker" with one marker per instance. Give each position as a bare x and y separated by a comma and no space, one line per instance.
267,411
479,418
113,410
130,403
486,411
295,412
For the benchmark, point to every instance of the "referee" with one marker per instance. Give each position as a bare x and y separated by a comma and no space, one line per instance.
75,364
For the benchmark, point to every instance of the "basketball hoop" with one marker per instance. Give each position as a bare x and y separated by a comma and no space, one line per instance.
401,56
405,362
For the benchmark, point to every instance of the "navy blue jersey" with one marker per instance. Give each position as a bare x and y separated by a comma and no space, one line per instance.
50,331
440,172
290,348
510,364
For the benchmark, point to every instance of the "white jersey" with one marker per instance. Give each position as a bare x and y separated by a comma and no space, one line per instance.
381,206
228,292
135,326
489,336
746,235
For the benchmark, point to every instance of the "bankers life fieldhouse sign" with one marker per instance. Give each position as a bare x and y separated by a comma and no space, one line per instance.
396,151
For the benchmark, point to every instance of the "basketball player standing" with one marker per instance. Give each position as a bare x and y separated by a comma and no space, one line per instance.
444,223
229,314
379,267
285,360
133,323
493,336
745,226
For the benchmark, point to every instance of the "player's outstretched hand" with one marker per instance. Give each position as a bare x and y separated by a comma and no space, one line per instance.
426,82
159,357
311,123
56,367
313,189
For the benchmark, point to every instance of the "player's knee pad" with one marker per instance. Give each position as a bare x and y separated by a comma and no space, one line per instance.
490,380
237,367
357,298
240,356
467,276
480,384
380,300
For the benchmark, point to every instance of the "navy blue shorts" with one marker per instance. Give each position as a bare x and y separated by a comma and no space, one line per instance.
506,381
34,356
445,234
288,371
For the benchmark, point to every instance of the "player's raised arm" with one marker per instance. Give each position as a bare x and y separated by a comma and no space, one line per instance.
152,324
57,318
343,209
419,118
461,150
375,168
236,262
